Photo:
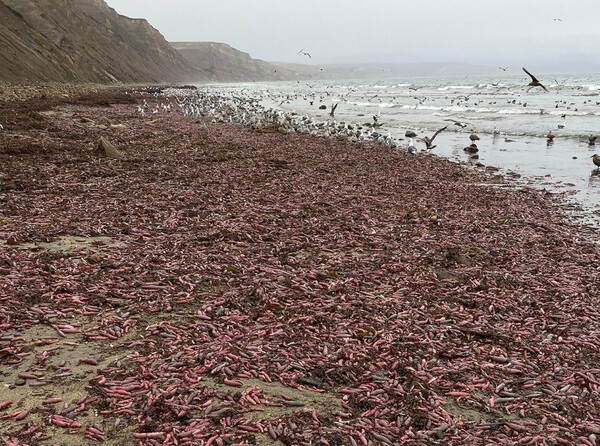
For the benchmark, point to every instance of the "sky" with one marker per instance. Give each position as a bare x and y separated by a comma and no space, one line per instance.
537,33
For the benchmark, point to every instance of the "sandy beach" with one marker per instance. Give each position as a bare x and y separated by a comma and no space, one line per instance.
219,285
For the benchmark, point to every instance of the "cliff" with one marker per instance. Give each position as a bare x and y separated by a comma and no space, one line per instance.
220,62
83,41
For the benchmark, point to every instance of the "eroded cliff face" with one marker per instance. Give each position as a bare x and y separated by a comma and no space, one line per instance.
220,62
83,41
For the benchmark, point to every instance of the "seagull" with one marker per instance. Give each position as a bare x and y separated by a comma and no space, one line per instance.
534,82
458,123
596,160
413,150
557,20
592,140
304,53
504,68
429,141
333,107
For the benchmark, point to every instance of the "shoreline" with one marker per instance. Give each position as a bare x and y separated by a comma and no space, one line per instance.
226,283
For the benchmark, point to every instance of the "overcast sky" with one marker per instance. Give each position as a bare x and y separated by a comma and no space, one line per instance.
490,32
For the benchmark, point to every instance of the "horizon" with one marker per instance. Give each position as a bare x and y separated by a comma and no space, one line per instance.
548,35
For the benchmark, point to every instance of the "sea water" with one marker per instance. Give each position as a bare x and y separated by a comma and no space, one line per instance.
511,119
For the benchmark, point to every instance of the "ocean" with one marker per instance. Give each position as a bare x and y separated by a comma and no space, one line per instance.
511,120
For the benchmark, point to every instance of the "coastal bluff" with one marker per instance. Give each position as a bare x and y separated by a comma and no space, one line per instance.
223,63
83,41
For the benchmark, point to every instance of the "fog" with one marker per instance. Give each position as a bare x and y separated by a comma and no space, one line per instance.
543,35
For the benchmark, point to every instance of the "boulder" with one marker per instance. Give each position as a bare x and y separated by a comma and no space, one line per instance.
106,149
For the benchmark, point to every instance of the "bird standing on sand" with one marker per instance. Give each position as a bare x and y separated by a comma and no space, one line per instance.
411,147
429,141
534,82
596,160
592,140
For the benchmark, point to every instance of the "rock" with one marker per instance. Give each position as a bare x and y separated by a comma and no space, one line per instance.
471,148
310,381
322,107
95,257
107,149
19,382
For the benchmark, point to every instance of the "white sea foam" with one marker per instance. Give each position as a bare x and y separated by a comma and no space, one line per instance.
456,87
518,111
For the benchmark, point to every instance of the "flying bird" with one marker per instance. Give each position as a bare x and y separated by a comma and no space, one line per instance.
504,68
429,141
333,107
304,53
458,123
557,20
534,82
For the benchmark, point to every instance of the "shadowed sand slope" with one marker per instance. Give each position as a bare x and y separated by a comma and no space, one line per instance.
83,41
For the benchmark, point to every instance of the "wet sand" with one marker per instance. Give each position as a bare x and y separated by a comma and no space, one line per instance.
235,286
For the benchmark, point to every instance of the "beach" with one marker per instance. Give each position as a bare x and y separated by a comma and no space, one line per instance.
217,284
511,120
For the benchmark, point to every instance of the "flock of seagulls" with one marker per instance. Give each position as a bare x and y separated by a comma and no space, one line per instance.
472,148
247,111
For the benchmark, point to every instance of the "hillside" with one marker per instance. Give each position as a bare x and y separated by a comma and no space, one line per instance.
220,62
83,41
